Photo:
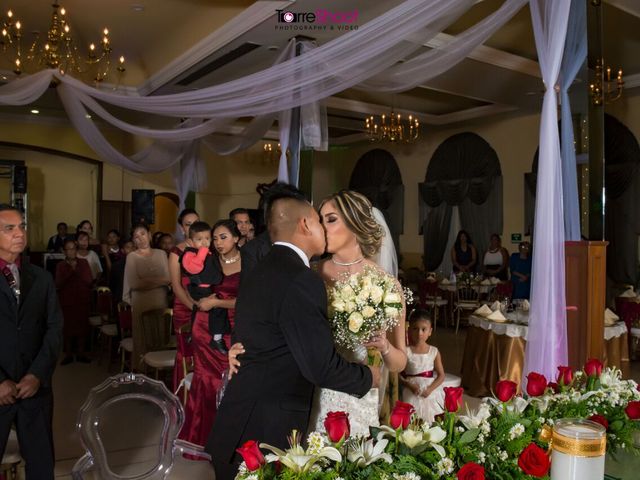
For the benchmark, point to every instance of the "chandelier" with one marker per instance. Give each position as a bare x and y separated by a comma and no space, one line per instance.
605,89
57,49
271,153
392,128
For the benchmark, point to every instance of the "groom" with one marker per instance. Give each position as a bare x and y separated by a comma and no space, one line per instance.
281,318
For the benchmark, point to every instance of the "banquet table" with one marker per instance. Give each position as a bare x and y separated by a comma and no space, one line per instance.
495,351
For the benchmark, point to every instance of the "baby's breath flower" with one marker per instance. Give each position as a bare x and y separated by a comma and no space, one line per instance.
516,431
444,466
316,442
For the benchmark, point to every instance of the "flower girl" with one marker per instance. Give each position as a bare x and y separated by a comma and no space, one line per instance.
424,372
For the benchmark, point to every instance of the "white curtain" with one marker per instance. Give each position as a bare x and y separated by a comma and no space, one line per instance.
575,53
547,338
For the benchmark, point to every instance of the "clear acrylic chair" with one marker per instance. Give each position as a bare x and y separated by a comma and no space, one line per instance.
113,394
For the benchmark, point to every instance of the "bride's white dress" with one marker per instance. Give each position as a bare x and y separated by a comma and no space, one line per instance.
362,411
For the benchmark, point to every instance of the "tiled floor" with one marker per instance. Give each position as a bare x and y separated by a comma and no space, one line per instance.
131,436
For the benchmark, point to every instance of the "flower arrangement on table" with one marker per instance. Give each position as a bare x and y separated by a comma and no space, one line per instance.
363,304
507,437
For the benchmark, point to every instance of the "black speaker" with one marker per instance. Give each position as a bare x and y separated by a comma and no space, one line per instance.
19,179
142,206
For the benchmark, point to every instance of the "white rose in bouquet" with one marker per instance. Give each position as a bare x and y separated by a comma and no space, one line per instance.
392,297
350,307
391,312
355,322
368,311
338,305
376,294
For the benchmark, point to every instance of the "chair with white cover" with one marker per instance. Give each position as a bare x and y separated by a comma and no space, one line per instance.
127,393
431,298
467,300
160,345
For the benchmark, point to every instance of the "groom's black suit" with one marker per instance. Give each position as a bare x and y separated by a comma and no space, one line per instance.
281,318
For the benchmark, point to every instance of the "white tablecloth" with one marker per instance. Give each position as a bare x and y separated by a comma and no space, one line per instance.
519,330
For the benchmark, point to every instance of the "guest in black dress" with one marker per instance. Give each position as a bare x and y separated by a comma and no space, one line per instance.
463,254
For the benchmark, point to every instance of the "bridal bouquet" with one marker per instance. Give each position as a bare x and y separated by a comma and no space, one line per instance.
363,304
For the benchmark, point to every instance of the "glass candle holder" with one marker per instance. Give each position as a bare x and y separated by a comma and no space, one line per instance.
579,448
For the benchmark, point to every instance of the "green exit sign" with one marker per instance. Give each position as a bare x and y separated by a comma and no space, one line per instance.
516,237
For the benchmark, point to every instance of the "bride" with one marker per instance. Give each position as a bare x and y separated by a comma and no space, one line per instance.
357,237
355,234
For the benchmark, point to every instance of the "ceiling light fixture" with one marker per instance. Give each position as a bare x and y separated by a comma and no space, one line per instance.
57,48
35,112
392,128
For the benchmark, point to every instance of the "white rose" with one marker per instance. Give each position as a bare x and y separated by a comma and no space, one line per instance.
376,294
355,322
347,293
391,312
338,305
412,438
350,307
368,311
366,282
363,296
392,297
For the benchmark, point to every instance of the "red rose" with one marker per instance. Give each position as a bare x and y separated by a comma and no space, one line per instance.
401,415
251,455
471,471
600,419
565,375
593,367
536,384
337,426
534,461
453,398
506,390
633,410
554,386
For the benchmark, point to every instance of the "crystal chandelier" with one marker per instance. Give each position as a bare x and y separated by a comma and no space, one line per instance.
392,128
605,89
57,49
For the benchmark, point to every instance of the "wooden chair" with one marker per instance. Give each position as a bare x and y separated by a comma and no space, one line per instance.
467,299
431,299
125,321
160,345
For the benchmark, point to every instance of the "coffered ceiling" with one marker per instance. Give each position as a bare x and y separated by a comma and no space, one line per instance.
177,45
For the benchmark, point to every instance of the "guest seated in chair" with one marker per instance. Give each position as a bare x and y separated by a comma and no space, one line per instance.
496,259
520,266
463,254
424,372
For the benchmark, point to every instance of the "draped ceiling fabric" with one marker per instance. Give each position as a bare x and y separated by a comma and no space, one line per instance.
377,176
464,171
622,206
367,58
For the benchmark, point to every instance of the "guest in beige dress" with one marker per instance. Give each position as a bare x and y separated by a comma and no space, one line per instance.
146,281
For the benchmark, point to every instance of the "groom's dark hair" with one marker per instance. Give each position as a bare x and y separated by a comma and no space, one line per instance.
279,191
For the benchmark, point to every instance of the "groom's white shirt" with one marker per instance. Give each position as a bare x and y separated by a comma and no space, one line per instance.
296,249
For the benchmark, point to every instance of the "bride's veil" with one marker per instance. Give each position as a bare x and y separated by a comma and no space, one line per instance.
387,259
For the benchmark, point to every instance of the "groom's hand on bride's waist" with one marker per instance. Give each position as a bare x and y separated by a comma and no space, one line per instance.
235,350
375,376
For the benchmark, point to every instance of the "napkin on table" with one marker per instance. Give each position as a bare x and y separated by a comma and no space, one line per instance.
629,293
525,305
483,311
497,316
445,281
494,280
610,318
486,281
495,305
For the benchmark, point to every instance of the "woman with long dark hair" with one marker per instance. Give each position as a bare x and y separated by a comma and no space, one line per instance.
463,254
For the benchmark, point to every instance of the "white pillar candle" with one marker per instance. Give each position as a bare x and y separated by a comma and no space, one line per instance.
579,448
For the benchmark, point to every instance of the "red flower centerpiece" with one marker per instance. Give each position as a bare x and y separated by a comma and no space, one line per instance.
251,455
633,410
536,384
600,419
337,426
506,390
401,415
534,461
453,398
471,471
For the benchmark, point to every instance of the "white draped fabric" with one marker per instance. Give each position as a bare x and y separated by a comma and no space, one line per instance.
547,342
575,53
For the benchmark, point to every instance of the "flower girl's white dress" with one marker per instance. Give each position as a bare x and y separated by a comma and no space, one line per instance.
417,363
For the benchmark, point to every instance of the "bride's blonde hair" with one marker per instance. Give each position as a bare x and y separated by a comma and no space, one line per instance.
356,210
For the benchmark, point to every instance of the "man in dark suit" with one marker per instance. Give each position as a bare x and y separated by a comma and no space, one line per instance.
281,318
30,341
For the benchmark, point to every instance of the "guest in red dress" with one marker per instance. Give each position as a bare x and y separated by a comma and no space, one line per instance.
210,365
74,283
182,301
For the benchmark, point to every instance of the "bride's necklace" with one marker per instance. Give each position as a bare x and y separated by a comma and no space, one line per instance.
347,264
230,260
